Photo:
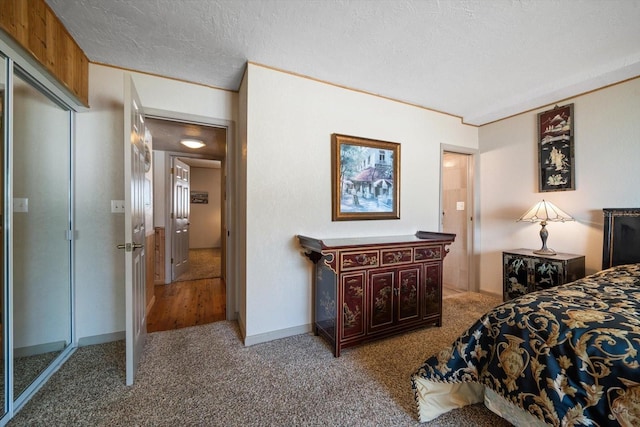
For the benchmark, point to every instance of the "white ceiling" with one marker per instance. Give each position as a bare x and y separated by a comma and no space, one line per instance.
481,60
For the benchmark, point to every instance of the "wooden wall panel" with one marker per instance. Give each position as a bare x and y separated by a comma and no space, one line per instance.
159,275
34,26
149,266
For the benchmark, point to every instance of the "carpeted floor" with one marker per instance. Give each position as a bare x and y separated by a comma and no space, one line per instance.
204,376
203,264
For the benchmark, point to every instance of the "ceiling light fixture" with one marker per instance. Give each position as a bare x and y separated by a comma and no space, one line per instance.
192,143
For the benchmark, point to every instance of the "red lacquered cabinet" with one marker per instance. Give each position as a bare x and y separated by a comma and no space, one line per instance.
374,287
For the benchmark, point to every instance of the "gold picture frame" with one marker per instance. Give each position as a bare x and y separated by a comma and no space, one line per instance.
365,178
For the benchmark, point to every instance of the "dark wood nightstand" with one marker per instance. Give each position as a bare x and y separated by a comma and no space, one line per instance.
524,272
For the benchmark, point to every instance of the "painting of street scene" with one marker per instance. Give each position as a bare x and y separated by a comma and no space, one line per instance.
365,178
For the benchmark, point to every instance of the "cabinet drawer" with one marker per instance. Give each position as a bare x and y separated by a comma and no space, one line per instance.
396,256
425,253
351,260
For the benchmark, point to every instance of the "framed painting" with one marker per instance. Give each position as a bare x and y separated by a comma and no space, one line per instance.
555,149
200,197
365,178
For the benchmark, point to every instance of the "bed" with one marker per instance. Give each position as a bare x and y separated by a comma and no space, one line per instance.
564,356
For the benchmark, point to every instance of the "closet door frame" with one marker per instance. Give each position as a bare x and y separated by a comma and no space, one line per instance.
17,57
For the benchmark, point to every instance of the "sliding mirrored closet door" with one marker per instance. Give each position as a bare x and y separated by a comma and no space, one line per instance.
3,236
41,261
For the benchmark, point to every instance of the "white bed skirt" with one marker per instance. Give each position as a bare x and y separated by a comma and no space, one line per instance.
435,399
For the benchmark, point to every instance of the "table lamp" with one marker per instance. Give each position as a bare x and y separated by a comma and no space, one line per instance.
544,212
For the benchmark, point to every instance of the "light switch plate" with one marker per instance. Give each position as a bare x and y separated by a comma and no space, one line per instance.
117,206
20,204
459,206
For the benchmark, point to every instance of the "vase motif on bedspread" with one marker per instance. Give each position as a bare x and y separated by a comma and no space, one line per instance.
569,355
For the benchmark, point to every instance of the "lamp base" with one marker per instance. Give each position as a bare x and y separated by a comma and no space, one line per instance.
545,251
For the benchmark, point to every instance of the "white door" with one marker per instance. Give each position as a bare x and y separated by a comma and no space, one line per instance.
456,218
134,229
180,214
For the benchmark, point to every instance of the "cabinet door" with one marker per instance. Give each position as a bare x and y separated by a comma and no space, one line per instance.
408,294
353,305
547,273
381,299
432,290
516,276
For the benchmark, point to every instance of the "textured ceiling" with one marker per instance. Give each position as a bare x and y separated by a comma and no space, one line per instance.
481,60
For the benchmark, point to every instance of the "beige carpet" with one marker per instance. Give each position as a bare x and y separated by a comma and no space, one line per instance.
204,376
203,264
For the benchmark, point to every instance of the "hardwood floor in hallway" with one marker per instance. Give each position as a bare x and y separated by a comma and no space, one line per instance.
188,303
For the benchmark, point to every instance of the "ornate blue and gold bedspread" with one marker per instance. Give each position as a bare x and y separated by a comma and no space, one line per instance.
568,355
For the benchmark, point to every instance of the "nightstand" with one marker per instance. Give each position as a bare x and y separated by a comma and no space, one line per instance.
524,272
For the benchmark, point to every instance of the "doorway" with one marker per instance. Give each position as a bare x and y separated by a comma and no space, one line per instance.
198,294
457,202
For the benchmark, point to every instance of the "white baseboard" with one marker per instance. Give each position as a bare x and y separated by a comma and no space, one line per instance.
276,335
34,350
101,339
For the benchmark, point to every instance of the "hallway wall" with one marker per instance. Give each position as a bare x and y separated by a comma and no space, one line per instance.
206,219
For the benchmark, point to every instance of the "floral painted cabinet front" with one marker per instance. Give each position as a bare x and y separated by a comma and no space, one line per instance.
370,288
394,297
353,305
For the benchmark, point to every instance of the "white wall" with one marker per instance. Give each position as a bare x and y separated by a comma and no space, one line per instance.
99,179
159,188
607,152
289,125
205,229
239,209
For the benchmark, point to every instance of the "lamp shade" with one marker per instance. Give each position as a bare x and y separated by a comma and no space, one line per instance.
544,212
547,212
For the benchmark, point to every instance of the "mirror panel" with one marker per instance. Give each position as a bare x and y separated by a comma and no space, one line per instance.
41,261
3,216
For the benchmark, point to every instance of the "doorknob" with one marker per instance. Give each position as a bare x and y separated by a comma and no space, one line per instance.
129,247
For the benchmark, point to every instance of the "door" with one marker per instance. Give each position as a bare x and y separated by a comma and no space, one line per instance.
456,218
180,213
134,228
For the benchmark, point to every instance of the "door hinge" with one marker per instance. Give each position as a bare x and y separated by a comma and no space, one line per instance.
171,260
171,171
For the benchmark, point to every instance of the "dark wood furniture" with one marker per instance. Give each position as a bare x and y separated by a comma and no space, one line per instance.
621,243
524,272
374,287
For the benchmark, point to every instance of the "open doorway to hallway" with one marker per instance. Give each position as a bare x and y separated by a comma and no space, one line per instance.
195,294
457,215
